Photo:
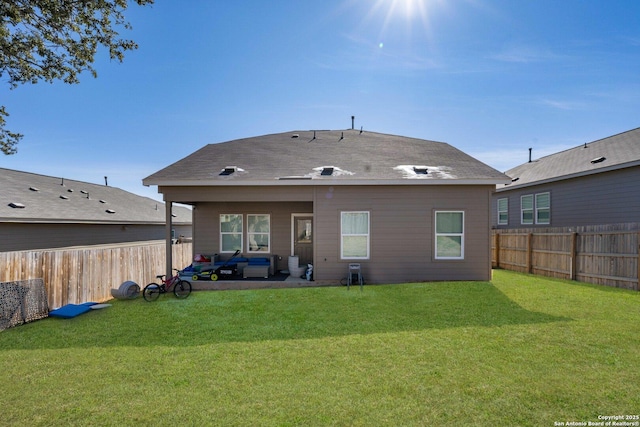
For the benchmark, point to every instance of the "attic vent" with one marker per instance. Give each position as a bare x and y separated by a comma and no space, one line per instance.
598,160
228,170
327,171
16,205
420,170
34,189
174,215
515,179
102,201
62,196
84,192
110,211
295,135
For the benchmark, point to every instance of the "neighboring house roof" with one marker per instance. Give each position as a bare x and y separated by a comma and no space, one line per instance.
349,157
29,197
612,153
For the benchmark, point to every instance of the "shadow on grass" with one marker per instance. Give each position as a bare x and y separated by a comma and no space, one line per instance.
278,314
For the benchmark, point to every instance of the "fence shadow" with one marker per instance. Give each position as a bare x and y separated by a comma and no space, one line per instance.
211,317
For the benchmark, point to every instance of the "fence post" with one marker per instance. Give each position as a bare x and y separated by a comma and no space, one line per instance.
529,252
497,249
573,259
638,260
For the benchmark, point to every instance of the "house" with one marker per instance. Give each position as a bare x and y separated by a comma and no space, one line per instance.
405,209
591,184
43,212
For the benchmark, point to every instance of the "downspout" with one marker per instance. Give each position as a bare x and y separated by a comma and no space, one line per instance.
168,249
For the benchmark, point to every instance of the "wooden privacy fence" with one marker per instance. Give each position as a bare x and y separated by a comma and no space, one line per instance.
601,255
76,275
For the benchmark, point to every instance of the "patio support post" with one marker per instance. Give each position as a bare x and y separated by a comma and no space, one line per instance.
168,249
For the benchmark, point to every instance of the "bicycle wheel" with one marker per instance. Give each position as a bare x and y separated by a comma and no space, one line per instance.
182,289
151,292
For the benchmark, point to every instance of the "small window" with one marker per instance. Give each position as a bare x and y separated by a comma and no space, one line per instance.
450,235
354,231
543,208
503,211
526,209
230,232
258,233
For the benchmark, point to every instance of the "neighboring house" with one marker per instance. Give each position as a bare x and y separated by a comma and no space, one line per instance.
405,209
43,212
594,183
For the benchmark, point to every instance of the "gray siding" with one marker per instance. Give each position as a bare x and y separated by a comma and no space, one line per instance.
604,198
402,227
27,236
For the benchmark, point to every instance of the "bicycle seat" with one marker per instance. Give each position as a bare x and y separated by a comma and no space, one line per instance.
160,276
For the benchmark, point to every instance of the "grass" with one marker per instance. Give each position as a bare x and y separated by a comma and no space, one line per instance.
521,350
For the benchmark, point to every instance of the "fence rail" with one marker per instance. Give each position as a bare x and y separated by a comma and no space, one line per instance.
605,255
76,275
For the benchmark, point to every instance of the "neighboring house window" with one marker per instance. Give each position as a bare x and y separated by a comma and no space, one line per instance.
543,208
354,232
258,232
503,211
230,232
526,209
449,235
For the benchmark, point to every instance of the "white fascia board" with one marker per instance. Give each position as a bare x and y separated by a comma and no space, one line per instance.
320,182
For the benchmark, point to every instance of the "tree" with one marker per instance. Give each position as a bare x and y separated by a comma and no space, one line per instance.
56,40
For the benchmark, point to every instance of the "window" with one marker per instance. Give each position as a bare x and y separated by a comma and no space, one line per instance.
543,208
449,235
258,232
354,232
230,232
526,209
503,211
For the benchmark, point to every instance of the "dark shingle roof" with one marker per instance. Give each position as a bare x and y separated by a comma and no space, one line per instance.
615,152
299,158
40,198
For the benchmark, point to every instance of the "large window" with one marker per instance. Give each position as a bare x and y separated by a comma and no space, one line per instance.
543,208
449,235
526,209
503,211
536,208
354,232
258,232
230,232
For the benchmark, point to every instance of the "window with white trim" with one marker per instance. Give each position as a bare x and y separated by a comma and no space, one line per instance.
354,232
230,232
526,209
258,232
543,208
503,211
449,234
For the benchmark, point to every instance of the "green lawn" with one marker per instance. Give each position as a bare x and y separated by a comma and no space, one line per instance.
521,350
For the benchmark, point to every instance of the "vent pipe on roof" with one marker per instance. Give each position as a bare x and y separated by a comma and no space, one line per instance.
105,182
62,181
360,130
353,123
530,154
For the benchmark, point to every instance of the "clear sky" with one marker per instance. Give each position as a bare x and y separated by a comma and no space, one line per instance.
490,77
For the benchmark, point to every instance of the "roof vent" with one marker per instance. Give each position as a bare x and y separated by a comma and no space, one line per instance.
598,160
70,190
228,170
327,171
515,179
295,135
16,205
420,170
34,189
62,196
102,201
110,211
84,191
174,215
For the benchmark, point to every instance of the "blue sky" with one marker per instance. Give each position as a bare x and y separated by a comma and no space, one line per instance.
490,77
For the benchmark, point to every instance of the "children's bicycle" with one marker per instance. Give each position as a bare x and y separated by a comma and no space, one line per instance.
181,288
